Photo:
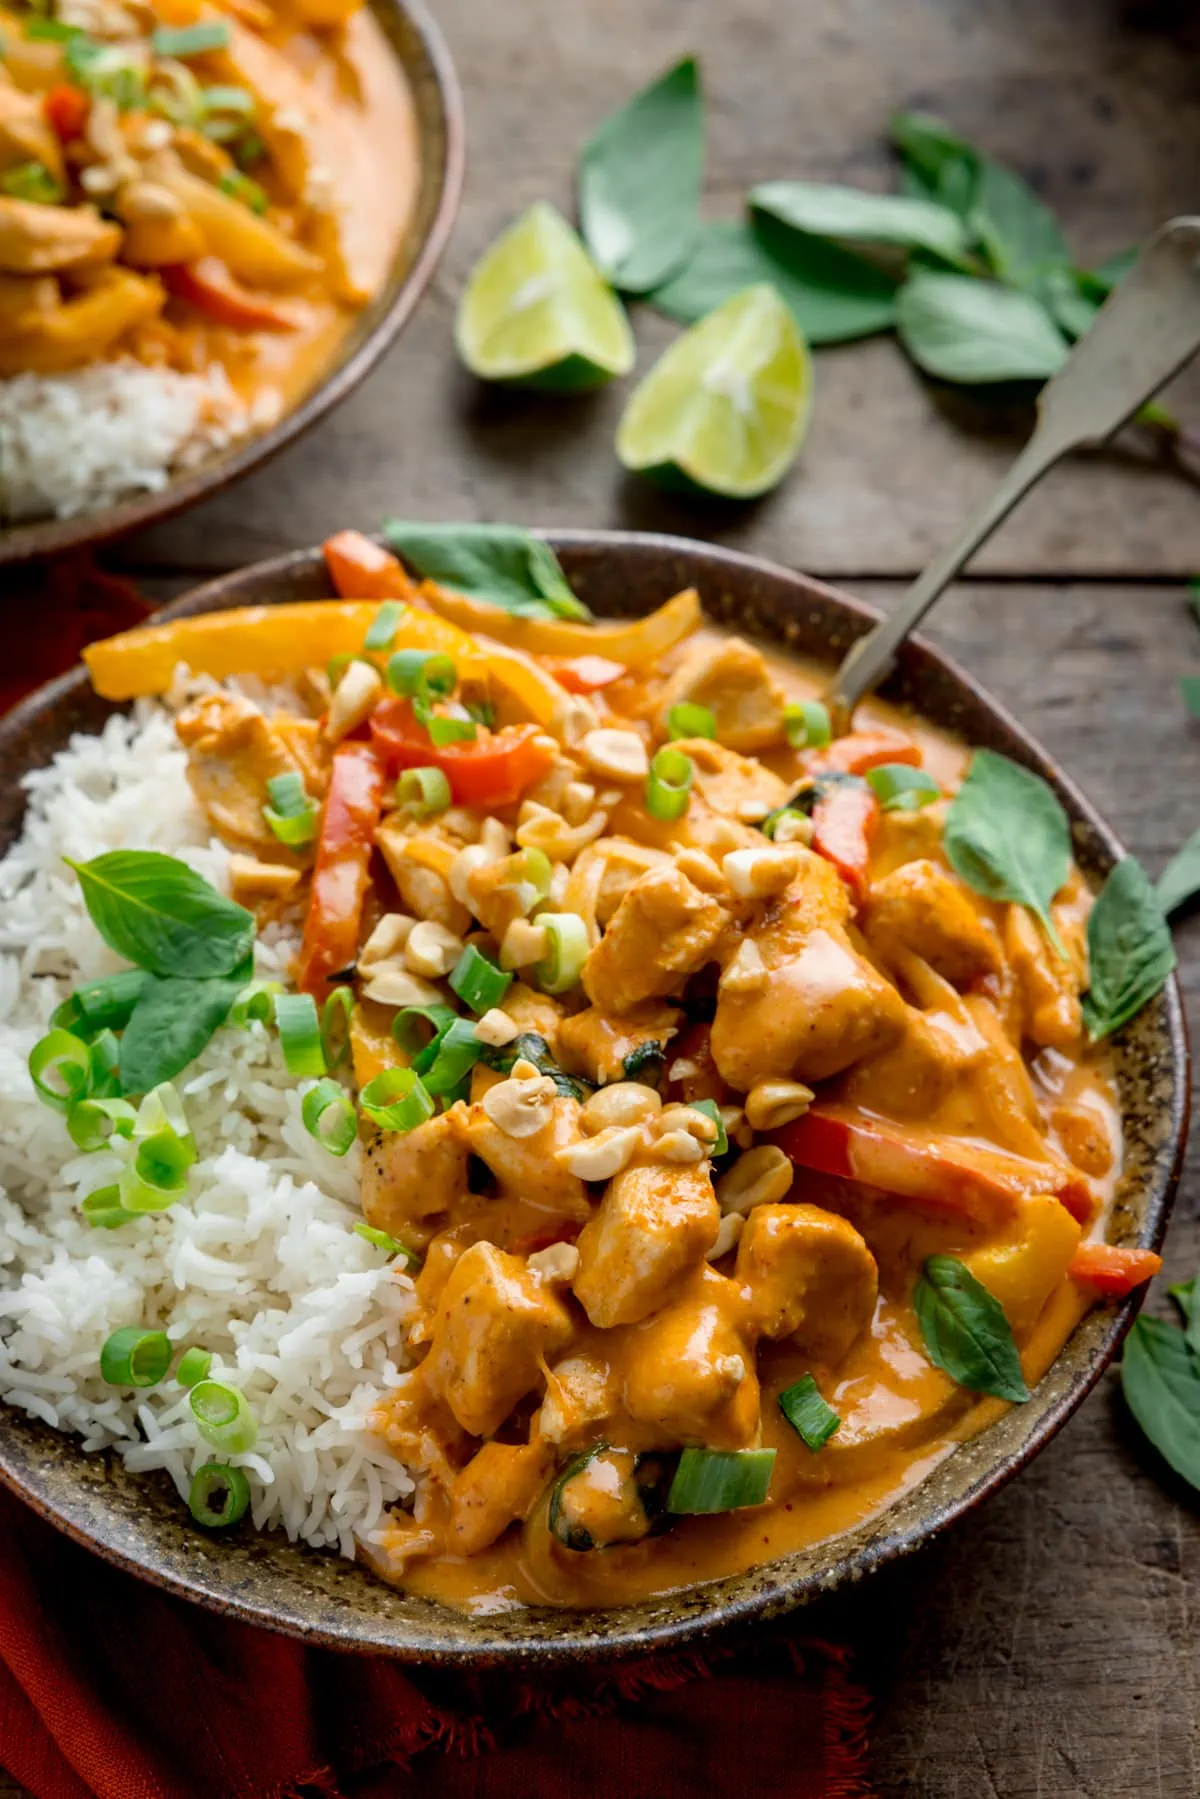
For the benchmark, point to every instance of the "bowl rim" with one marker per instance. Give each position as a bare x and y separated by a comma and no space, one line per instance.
23,542
585,1636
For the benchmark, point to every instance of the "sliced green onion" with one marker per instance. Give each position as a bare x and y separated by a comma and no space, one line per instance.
771,823
384,626
527,875
329,1116
190,40
60,1067
900,788
482,711
255,1003
712,1110
689,720
240,187
423,674
162,1110
194,1365
248,148
336,667
158,1173
91,1122
456,1052
567,947
51,31
668,784
223,1417
422,791
478,982
395,1099
720,1480
102,1005
808,725
813,1421
133,1357
292,814
225,113
391,1246
104,1209
105,1054
300,1035
219,1495
451,730
415,1028
228,99
335,1026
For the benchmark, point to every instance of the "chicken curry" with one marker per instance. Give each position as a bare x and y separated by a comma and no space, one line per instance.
197,186
743,1155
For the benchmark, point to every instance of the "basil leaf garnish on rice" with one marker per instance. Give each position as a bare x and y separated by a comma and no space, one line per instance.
158,913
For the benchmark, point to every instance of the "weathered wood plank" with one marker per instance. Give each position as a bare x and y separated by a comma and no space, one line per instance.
1097,103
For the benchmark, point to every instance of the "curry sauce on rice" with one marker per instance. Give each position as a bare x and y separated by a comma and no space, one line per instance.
521,1100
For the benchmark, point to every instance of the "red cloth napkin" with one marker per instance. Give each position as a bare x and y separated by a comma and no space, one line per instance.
110,1689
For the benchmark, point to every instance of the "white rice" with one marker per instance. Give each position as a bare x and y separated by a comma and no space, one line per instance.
259,1263
80,442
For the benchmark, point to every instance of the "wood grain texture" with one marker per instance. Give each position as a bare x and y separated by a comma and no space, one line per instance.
1095,100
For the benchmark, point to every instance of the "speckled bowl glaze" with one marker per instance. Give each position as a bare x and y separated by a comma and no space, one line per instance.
419,48
139,1522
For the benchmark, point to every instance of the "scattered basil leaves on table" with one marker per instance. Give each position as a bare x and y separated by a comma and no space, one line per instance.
966,1332
1008,837
1189,687
1130,953
501,564
171,1023
809,1415
936,164
158,913
640,178
971,332
1160,1377
1180,879
833,294
829,211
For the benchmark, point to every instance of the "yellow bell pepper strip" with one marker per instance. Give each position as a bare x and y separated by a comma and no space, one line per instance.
535,692
272,641
636,642
357,787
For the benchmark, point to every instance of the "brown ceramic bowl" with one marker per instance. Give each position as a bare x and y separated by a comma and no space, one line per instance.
419,48
139,1522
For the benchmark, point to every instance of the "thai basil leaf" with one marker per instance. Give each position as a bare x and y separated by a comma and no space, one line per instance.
1019,234
531,1046
971,332
1160,1378
1180,879
640,177
647,1063
1130,953
847,212
171,1023
1099,282
1064,294
158,913
1182,1293
1008,837
938,164
966,1332
501,564
833,294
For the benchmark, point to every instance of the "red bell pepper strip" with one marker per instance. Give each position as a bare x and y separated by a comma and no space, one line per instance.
211,287
845,820
1113,1270
362,570
493,769
585,674
352,807
861,750
954,1173
66,109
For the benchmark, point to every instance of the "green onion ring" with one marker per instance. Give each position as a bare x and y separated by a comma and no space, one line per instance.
66,1059
900,788
105,1210
396,1100
194,1365
807,725
567,947
381,634
720,1480
478,982
329,1116
300,1035
219,1495
254,1004
456,1052
421,674
422,791
668,784
134,1357
335,1026
690,720
416,1027
223,1416
91,1122
390,1245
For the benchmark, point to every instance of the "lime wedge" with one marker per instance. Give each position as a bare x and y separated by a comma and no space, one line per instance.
537,312
727,406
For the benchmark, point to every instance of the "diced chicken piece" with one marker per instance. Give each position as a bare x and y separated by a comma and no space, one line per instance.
798,1001
532,1011
909,837
1049,987
596,1045
807,1274
1025,1266
232,754
689,1370
25,133
732,679
735,786
915,1076
26,301
922,907
664,930
496,1324
307,744
581,1392
526,1168
502,1481
80,329
425,890
499,893
411,1176
655,1222
41,240
699,828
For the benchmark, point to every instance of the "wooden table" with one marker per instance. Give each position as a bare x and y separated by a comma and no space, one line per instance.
1047,1646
